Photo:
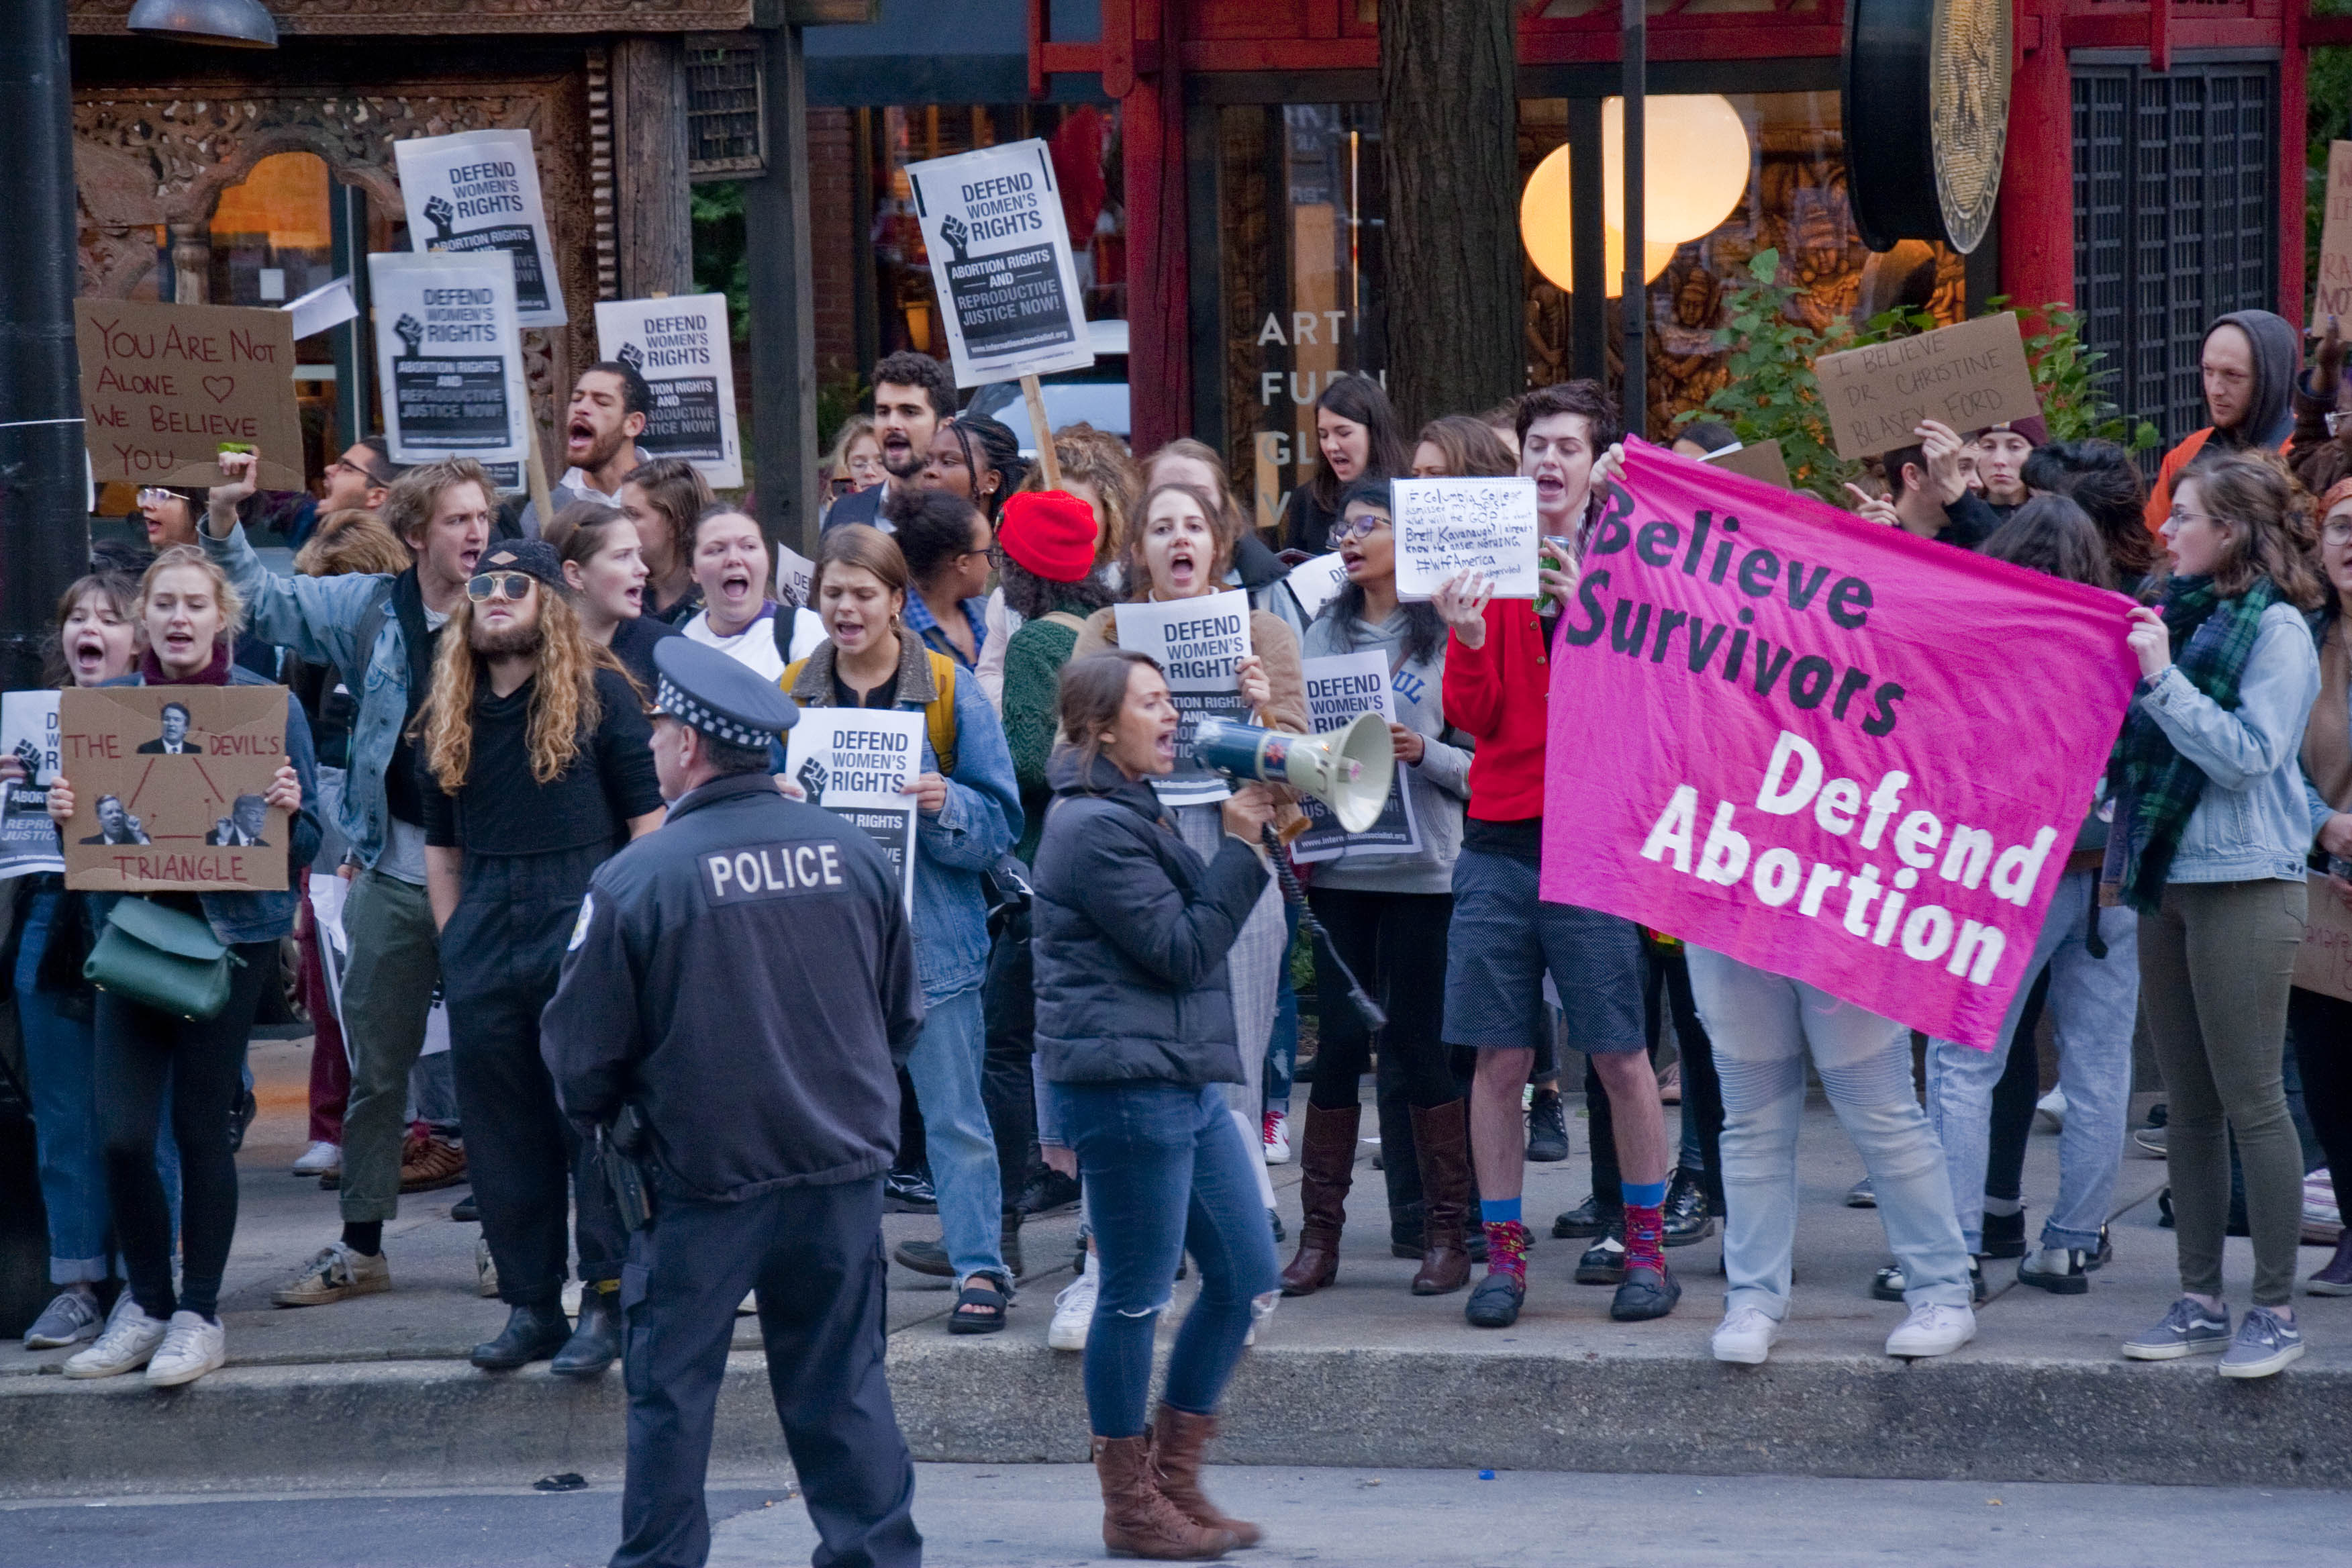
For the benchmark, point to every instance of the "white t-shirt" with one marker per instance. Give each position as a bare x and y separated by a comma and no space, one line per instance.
755,645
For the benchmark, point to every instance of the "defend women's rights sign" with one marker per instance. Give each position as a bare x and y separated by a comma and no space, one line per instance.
1000,260
478,191
168,785
449,357
1200,644
680,346
166,387
1804,740
856,762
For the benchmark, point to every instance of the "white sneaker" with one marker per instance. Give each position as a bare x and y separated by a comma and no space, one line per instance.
191,1348
1932,1329
2051,1110
1074,1309
1746,1335
128,1343
1277,1138
318,1158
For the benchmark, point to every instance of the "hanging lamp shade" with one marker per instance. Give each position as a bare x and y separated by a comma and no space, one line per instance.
233,24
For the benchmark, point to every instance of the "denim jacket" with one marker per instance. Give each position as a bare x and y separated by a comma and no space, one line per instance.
257,916
2252,822
319,618
979,822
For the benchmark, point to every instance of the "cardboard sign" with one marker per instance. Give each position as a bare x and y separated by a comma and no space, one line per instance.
1199,643
680,346
856,762
164,387
2331,293
2324,961
1315,582
1001,261
1446,526
28,733
449,356
168,783
1757,459
1968,376
1763,741
1339,687
478,192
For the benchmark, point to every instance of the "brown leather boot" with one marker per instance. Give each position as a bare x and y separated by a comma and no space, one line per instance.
1441,1139
1327,1163
1137,1521
1178,1439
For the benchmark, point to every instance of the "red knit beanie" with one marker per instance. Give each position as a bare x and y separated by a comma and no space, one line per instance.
1051,532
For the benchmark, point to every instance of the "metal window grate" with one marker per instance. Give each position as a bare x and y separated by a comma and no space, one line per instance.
2174,181
726,130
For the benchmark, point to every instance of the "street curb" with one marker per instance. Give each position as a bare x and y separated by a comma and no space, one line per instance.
441,1423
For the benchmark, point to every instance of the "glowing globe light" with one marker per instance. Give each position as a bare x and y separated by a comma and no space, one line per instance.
1694,174
1545,229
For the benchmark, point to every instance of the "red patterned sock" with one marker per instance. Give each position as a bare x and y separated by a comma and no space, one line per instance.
1506,1249
1644,1231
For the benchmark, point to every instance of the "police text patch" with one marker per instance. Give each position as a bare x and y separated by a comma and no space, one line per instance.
763,871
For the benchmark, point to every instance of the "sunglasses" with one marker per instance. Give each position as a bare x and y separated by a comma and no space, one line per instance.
513,585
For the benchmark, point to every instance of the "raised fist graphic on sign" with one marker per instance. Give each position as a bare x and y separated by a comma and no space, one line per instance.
811,778
411,333
952,231
443,216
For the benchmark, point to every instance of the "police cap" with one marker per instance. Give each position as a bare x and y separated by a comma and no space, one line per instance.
705,689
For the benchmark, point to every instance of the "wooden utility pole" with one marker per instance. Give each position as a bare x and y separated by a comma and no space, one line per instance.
1449,160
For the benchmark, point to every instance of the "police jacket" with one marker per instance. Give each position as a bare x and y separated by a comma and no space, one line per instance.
1131,931
746,977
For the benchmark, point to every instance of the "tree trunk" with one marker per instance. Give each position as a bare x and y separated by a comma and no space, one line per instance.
1449,162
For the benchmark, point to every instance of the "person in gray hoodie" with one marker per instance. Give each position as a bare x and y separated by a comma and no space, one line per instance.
1387,912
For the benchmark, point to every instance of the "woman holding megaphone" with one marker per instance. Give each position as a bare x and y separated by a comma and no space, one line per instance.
1387,914
1182,550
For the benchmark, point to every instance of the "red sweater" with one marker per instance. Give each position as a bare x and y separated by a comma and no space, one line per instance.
1498,696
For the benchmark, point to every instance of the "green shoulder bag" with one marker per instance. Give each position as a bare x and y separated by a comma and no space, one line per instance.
162,958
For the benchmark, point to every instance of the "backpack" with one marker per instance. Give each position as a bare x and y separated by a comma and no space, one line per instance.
938,713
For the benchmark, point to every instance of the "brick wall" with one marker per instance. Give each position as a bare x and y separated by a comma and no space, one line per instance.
833,240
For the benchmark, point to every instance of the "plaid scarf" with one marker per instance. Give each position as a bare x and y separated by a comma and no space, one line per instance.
2157,788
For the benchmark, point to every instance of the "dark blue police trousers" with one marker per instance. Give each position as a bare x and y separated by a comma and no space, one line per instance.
815,1255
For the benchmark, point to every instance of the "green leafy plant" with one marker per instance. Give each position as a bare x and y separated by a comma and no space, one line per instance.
2068,376
1772,394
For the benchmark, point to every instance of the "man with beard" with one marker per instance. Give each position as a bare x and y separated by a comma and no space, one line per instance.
610,405
379,631
913,396
358,480
537,764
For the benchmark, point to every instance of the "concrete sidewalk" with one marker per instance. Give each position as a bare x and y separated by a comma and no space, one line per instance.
376,1391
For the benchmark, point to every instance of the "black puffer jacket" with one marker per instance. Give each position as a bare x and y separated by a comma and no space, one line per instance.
1132,932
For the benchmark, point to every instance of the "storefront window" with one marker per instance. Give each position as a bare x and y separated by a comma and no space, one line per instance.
272,241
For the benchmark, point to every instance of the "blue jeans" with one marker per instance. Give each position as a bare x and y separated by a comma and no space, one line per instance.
1167,1172
1761,1026
60,1060
946,1065
2095,1002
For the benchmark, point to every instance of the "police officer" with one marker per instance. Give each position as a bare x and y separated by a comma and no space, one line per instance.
742,981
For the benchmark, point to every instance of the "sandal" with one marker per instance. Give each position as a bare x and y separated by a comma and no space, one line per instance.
979,1306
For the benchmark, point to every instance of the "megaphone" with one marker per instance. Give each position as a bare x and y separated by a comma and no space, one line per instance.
1347,769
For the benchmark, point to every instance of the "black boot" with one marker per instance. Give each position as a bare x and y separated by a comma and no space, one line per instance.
532,1333
596,1341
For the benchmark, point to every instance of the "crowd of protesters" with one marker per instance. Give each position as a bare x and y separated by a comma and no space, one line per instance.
1103,978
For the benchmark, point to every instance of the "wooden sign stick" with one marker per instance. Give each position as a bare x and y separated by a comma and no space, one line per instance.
1046,459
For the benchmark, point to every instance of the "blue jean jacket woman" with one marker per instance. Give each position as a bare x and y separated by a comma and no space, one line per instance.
974,828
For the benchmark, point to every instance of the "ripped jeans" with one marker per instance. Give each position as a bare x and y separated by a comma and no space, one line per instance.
1167,1171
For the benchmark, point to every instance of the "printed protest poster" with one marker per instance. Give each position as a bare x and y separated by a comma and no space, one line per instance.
449,356
856,762
1446,526
680,345
1339,687
2331,293
795,578
164,388
2324,961
1968,376
168,783
1200,644
478,193
28,733
1313,582
1768,737
1000,260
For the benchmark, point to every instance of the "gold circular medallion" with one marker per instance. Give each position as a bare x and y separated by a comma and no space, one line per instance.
1968,112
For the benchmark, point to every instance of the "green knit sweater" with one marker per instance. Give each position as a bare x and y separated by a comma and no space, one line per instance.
1033,674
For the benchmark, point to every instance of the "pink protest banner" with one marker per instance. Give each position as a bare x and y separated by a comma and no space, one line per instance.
1825,747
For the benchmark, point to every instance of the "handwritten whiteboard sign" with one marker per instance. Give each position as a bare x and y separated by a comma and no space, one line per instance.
1446,526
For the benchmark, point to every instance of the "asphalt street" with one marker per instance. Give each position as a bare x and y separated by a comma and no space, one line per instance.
1047,1516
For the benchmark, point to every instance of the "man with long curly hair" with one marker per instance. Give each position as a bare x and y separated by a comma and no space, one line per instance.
537,764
